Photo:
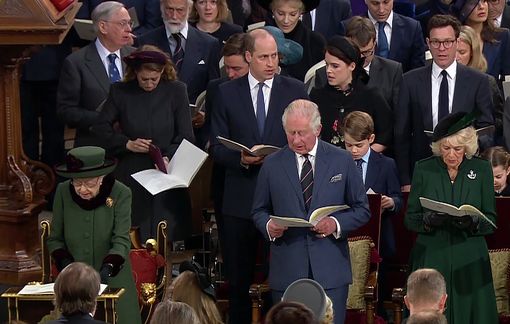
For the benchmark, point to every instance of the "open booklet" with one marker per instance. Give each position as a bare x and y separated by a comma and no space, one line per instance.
315,217
183,167
261,151
451,210
47,289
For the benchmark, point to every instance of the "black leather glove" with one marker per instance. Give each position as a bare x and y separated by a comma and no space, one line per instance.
466,223
434,219
112,264
105,272
62,258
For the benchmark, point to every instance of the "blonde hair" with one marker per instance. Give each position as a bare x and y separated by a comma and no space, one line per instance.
185,288
466,137
169,311
277,3
169,72
222,11
329,316
477,59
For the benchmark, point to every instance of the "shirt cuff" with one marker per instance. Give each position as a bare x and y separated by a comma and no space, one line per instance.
271,239
338,231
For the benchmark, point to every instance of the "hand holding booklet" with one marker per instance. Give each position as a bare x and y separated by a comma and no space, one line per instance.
451,210
183,167
262,150
315,217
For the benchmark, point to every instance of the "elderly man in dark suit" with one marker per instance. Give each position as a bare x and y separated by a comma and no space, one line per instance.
385,74
87,74
147,12
324,19
430,93
305,175
399,38
248,111
499,12
194,53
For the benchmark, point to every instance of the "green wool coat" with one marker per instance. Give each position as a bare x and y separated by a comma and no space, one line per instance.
461,256
90,235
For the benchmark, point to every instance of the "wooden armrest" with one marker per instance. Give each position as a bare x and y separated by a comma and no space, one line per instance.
397,296
256,292
371,297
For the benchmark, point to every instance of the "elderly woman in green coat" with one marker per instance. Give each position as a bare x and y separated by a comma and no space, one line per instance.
453,245
91,222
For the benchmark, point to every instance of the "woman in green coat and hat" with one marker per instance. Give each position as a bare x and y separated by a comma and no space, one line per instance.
91,223
455,246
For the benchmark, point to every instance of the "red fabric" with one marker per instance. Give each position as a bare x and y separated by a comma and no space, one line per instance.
374,256
61,4
357,317
144,266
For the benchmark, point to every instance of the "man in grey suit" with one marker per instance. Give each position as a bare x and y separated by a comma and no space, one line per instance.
87,74
305,175
430,93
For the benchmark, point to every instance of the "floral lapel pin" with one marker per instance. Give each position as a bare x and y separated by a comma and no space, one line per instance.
471,175
109,202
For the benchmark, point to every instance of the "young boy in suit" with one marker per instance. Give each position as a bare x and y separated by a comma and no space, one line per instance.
379,174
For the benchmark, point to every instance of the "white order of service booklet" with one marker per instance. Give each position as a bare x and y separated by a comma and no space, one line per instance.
181,170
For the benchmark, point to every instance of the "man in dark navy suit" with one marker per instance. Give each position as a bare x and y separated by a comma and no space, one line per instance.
432,92
195,53
325,18
248,111
399,38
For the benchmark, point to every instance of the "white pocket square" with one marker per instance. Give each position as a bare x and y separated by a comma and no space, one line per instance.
336,178
201,62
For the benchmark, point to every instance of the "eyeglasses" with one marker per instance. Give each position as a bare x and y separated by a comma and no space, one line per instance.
446,43
123,23
368,52
89,184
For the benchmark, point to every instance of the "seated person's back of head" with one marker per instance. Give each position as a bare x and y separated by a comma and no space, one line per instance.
170,312
427,317
426,291
290,313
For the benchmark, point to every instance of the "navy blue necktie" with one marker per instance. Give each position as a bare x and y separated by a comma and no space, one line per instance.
359,165
178,51
261,109
443,102
113,72
383,48
306,179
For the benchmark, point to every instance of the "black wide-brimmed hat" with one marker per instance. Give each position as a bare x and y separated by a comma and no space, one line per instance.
202,276
85,162
451,124
463,8
309,5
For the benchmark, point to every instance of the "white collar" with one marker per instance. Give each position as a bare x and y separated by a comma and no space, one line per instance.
451,70
313,151
389,21
254,82
103,51
183,31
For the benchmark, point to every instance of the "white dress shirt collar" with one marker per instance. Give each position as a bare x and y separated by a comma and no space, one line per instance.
254,82
103,55
389,21
451,70
183,32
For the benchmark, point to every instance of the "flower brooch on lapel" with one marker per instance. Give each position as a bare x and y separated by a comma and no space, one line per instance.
471,175
109,202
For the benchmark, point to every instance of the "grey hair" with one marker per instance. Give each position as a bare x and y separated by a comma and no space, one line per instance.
425,287
304,108
104,11
466,137
163,2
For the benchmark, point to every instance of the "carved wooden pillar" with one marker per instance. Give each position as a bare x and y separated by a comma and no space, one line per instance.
23,182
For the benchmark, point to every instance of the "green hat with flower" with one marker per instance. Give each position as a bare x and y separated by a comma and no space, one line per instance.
85,162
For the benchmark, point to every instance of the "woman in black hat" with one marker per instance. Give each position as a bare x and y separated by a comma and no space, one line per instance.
286,16
453,245
91,223
150,107
347,91
496,41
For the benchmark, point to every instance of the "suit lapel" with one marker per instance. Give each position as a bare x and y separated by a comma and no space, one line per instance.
396,29
321,170
273,113
426,85
459,89
372,170
95,65
247,105
375,72
192,53
289,164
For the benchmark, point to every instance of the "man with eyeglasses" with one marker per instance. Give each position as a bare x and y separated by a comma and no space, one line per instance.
87,73
499,12
385,74
432,92
194,53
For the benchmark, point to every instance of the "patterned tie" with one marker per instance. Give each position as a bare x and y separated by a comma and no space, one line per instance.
443,103
382,42
261,109
178,51
306,180
113,72
359,165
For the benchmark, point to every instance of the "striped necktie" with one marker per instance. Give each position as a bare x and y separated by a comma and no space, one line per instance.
306,180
